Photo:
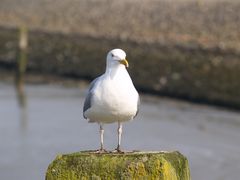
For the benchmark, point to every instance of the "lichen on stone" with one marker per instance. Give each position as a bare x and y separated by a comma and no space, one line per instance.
135,165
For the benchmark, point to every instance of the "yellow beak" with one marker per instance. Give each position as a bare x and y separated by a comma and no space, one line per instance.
124,62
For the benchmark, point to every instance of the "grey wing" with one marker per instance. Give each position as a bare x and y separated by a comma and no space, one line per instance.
88,100
138,105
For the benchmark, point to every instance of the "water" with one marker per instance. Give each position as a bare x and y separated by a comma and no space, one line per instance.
51,123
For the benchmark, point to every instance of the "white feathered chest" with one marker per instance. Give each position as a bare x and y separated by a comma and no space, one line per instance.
115,97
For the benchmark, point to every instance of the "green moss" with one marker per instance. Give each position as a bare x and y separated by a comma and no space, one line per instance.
144,165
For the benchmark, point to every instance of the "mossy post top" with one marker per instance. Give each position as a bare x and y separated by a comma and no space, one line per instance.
130,165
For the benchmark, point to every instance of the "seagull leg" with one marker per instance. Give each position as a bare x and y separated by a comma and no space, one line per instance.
101,150
119,136
101,136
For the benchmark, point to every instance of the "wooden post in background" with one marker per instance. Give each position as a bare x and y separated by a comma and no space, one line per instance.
21,64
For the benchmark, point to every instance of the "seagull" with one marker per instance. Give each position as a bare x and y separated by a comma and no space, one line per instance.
112,96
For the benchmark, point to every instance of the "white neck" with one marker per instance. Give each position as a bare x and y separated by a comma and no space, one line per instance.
114,70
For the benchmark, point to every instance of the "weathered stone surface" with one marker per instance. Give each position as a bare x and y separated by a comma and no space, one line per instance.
132,165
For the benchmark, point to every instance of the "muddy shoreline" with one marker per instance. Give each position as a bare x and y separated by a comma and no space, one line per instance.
193,73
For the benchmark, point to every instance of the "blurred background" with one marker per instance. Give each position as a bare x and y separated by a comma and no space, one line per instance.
184,59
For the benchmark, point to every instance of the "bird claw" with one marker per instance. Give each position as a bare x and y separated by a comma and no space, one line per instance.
101,151
118,150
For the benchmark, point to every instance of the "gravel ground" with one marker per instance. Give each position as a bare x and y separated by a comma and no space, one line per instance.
208,23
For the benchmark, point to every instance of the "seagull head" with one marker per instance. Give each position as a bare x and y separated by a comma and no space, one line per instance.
116,57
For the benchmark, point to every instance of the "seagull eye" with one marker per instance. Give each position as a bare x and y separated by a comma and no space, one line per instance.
112,55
